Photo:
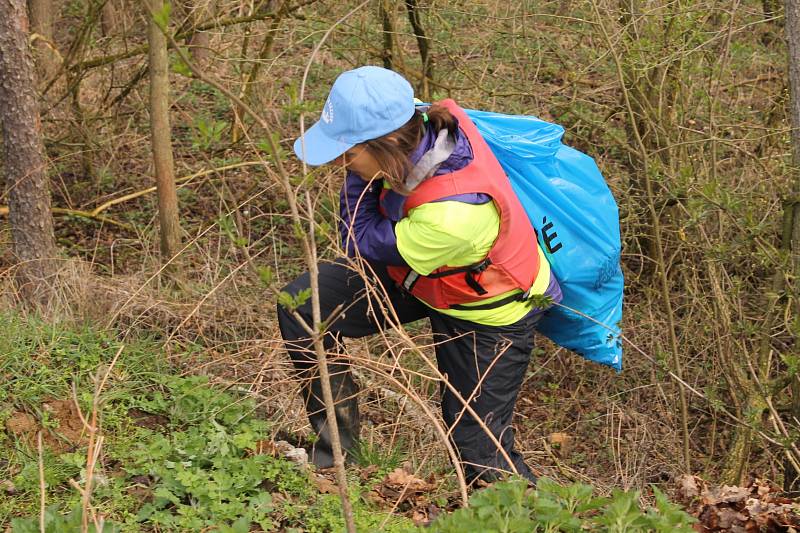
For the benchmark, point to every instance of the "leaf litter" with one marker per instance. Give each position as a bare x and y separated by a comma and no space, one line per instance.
759,507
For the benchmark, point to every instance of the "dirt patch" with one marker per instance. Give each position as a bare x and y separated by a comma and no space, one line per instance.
66,430
22,426
70,428
147,420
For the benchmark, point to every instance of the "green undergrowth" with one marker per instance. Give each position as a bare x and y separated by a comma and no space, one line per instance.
511,507
179,454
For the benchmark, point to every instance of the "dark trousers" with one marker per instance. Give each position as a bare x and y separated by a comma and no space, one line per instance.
468,354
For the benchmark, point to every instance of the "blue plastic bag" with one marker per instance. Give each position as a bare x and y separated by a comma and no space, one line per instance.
577,223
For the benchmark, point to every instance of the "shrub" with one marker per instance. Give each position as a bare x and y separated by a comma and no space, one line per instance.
510,507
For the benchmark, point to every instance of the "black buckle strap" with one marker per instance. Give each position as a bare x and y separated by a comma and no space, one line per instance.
491,305
477,268
469,272
469,277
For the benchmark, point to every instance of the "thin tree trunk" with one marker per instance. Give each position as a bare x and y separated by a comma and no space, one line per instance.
199,41
160,135
26,180
41,14
645,162
109,19
199,44
249,84
792,26
388,34
423,45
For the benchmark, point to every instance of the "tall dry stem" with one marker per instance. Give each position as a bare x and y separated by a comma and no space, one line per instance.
309,249
42,484
95,445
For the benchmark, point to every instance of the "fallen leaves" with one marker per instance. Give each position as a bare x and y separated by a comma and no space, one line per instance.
403,491
400,486
281,448
425,515
758,507
562,442
7,486
325,485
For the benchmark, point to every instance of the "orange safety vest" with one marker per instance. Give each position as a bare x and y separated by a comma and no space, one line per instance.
512,262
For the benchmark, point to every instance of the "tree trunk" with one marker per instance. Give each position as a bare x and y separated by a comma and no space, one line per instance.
424,50
108,18
388,34
200,41
160,135
26,180
237,125
41,14
792,26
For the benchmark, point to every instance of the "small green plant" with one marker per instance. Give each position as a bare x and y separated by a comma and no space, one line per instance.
161,16
265,275
293,301
326,517
55,522
207,132
386,460
266,148
511,507
206,473
228,227
177,65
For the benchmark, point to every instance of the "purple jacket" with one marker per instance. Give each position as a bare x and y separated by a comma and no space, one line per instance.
373,234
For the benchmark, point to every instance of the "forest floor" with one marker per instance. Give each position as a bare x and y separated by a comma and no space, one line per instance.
202,379
173,451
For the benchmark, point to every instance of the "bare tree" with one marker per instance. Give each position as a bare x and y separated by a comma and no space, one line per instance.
792,208
422,43
26,180
199,41
42,14
109,19
387,17
160,134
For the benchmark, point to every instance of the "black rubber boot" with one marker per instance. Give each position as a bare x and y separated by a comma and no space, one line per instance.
344,390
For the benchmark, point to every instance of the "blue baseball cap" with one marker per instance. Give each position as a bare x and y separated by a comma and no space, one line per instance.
364,103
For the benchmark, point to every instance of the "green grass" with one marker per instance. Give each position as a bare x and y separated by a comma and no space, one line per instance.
178,453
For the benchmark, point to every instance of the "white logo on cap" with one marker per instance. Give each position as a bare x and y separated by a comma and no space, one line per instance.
327,112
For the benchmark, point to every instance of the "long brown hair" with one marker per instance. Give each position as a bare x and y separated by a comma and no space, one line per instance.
391,151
